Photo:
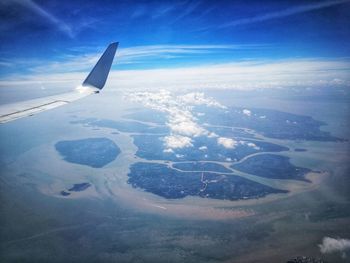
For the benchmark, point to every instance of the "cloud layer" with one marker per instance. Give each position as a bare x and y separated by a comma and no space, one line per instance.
246,74
242,75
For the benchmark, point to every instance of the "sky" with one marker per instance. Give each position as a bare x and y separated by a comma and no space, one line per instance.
270,43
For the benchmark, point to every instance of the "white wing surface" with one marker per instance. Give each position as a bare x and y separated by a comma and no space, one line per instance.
94,82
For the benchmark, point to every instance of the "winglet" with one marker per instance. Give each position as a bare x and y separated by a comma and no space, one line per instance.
98,75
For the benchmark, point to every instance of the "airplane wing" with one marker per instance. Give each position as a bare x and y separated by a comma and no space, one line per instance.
94,82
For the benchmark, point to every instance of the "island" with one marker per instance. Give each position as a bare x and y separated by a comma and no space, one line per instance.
124,126
201,166
93,152
300,150
147,115
76,188
270,123
272,166
64,193
235,136
79,187
163,181
151,147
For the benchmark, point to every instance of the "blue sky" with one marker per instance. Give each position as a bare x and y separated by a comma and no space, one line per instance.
40,36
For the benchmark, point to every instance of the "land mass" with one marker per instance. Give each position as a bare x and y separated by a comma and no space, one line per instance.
93,152
272,166
79,187
172,184
270,123
151,147
201,166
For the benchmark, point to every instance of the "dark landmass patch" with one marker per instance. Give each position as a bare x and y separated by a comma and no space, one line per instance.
79,187
172,184
124,126
305,259
93,152
270,123
147,115
64,193
151,147
201,166
300,150
272,166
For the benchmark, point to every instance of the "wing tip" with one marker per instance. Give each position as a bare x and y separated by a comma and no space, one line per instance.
116,44
98,76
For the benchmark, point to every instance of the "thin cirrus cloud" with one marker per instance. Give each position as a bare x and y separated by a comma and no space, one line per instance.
58,23
140,53
282,13
53,20
130,55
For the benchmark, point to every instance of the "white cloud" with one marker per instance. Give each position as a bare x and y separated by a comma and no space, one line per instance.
253,145
168,150
333,245
212,135
247,112
181,122
244,75
140,54
188,128
227,142
177,141
198,98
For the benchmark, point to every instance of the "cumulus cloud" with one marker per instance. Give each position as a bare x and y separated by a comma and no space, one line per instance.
177,141
247,112
198,98
168,150
333,245
227,142
253,145
188,128
181,122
